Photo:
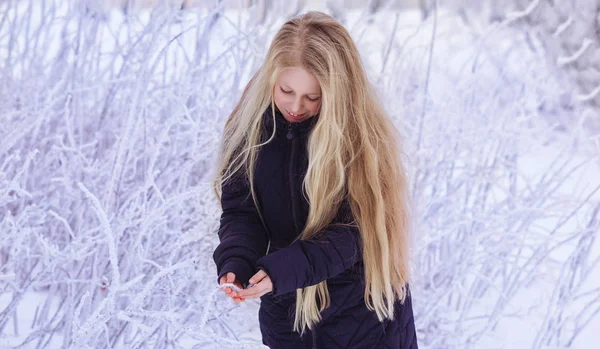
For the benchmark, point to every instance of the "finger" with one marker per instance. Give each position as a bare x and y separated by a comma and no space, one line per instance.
236,297
247,293
230,277
254,291
258,277
223,279
236,293
255,295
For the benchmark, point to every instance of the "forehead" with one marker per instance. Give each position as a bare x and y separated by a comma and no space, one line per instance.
300,80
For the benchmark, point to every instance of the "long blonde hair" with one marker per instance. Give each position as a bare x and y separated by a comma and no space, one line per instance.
353,152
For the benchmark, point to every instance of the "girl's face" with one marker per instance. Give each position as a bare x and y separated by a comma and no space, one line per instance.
297,94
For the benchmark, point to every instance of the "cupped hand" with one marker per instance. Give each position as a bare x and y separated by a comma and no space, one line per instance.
231,279
261,285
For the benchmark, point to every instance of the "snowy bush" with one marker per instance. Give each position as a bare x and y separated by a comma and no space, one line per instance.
110,125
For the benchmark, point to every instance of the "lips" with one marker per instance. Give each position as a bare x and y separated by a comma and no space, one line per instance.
296,116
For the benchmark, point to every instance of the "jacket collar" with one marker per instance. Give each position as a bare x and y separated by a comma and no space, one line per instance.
298,129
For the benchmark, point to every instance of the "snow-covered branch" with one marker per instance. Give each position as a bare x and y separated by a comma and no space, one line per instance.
111,122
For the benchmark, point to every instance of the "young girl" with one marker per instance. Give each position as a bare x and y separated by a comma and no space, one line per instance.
315,198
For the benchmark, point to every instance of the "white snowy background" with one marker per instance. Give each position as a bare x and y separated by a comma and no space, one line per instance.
111,113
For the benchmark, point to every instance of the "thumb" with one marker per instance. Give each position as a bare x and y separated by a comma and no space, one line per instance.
230,277
258,276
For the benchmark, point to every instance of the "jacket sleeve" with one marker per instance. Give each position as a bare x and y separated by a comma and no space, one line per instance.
308,262
242,236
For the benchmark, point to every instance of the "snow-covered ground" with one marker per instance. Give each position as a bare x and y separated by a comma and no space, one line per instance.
107,144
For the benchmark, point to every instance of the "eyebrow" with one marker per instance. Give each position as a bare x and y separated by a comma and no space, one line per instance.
308,94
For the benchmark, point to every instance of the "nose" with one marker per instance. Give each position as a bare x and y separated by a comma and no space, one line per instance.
297,106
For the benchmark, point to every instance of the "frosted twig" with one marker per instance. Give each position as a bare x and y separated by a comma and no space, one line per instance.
110,239
577,54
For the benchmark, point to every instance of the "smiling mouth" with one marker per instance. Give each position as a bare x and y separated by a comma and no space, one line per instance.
295,115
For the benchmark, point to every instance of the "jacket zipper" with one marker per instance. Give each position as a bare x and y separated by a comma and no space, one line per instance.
290,136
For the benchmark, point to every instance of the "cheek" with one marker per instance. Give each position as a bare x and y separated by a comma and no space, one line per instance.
280,97
314,108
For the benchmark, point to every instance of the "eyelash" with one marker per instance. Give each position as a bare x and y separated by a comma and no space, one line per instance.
288,92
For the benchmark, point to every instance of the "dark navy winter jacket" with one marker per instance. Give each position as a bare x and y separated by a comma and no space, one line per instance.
334,256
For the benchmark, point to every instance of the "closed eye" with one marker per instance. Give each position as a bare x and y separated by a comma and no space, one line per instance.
310,99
